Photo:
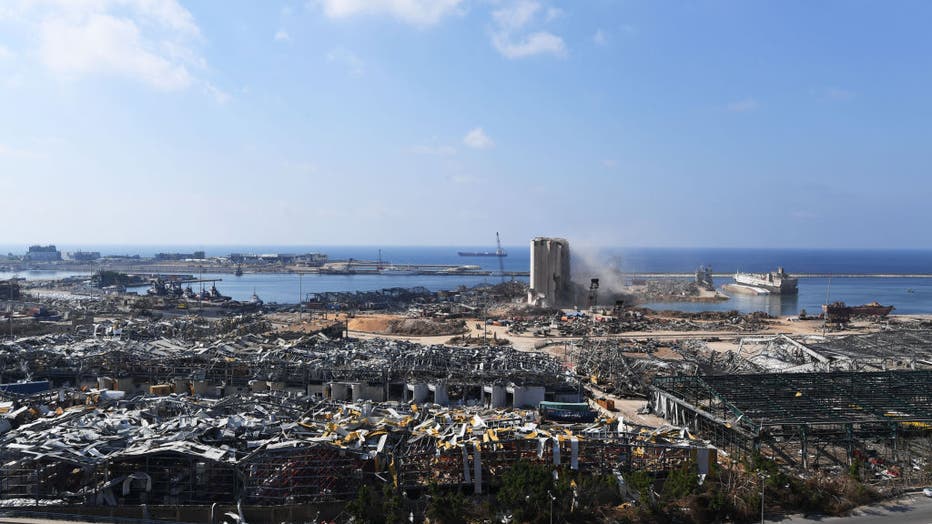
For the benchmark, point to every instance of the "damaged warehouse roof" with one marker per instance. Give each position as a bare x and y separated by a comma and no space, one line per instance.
73,446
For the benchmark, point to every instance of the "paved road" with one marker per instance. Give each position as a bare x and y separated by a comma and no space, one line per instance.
913,509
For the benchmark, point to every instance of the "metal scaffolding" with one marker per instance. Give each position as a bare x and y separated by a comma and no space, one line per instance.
805,418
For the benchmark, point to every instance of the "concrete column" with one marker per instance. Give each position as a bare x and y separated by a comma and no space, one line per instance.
498,396
440,393
419,391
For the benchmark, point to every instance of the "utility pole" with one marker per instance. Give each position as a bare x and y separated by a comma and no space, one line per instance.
763,487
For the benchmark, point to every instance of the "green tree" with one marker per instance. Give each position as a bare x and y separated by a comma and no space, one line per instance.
446,507
364,508
392,505
524,491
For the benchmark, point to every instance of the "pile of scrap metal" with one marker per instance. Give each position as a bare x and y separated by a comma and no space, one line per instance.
234,364
383,299
581,323
899,348
612,365
100,447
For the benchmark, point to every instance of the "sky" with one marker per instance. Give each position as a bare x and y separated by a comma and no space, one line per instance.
439,122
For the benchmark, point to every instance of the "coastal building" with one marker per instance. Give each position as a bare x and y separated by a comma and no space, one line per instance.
307,259
550,272
197,255
43,254
84,256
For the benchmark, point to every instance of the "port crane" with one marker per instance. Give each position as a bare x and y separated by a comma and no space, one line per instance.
501,259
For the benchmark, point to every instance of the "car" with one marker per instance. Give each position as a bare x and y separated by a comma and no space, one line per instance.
927,492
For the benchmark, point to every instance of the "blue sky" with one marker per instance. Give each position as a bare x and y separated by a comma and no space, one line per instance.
405,122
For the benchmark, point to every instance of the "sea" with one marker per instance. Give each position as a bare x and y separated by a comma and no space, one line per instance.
908,294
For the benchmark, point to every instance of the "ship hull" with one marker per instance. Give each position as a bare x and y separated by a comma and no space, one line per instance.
773,283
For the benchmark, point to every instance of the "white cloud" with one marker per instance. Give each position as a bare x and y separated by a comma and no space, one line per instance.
743,106
477,139
282,36
553,13
106,44
538,43
839,95
150,41
512,19
440,150
5,53
516,15
353,64
600,38
221,97
415,12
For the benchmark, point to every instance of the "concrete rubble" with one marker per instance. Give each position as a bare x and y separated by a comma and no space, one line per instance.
101,447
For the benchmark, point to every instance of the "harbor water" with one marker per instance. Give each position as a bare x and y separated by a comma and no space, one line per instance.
908,295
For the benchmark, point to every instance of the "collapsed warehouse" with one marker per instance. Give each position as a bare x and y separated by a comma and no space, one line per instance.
312,365
807,419
815,402
267,448
808,402
110,423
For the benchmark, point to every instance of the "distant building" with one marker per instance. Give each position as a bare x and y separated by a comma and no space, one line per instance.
43,254
84,256
9,289
197,255
550,272
307,259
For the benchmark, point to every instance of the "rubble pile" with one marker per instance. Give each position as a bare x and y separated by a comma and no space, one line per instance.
582,324
659,289
604,363
99,447
234,361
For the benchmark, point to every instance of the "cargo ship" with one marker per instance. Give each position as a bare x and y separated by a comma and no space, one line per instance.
496,253
772,283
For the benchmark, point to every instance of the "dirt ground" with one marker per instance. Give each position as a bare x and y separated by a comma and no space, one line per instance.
372,323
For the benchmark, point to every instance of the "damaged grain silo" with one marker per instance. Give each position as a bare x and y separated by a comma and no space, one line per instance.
550,272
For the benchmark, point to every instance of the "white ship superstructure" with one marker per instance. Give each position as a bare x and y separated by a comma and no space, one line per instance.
775,282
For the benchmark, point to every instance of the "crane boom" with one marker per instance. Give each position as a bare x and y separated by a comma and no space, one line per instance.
501,259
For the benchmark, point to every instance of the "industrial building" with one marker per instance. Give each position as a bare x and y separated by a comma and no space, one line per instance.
43,254
804,419
550,272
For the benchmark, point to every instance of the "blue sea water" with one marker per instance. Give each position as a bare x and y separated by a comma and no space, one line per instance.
908,295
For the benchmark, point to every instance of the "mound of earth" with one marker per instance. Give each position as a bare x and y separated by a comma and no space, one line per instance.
423,327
